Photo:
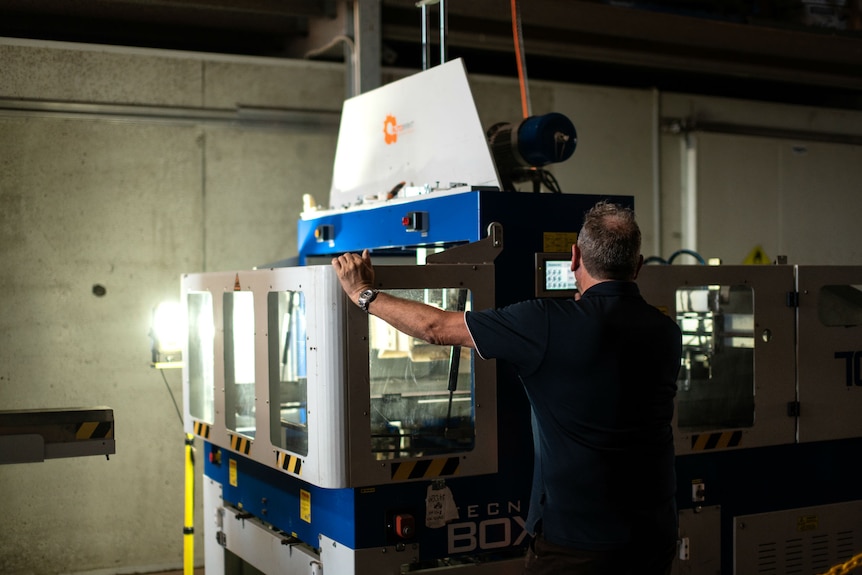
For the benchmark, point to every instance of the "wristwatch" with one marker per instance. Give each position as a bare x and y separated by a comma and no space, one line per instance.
366,297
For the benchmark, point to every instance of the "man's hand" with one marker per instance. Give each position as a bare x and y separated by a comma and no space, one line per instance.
355,273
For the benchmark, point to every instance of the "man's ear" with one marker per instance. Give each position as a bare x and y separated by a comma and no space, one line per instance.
576,257
640,265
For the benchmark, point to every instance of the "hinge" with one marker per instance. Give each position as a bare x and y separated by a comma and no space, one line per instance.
793,409
792,299
221,538
684,549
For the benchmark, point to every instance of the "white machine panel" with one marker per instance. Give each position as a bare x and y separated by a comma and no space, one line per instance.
422,130
830,352
233,399
281,369
408,427
737,378
804,540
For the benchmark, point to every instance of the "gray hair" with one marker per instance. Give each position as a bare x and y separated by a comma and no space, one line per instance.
610,242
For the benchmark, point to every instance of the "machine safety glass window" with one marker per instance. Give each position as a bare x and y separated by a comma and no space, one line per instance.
716,382
422,400
199,363
288,378
840,305
239,362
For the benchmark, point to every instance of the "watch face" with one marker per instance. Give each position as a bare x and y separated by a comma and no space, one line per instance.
365,298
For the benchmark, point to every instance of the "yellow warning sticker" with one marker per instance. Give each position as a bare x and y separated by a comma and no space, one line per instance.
305,505
559,241
757,257
232,472
807,523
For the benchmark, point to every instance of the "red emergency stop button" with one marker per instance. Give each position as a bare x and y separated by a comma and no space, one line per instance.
405,525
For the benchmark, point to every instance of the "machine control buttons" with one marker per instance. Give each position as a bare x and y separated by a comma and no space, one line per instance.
698,491
400,526
215,456
415,222
324,233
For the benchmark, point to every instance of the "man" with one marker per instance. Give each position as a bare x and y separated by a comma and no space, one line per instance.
600,373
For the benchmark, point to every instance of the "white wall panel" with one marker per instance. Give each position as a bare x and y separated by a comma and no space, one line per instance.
821,207
737,197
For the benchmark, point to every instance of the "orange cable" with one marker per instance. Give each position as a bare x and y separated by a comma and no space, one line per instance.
525,107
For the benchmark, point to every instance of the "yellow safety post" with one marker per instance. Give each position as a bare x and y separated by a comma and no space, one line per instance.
189,523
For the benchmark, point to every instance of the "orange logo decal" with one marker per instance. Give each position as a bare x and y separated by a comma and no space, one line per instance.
390,129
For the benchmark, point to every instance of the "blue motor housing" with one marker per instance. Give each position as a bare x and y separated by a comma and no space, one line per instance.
547,139
520,152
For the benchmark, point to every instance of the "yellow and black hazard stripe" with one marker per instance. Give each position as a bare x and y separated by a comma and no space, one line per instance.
718,440
202,429
289,463
240,444
94,430
425,468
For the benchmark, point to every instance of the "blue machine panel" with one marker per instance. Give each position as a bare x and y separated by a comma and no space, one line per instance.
492,510
277,499
449,219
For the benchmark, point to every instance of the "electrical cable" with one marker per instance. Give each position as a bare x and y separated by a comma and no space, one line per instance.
188,525
351,45
170,391
673,256
692,253
313,53
526,106
551,182
655,259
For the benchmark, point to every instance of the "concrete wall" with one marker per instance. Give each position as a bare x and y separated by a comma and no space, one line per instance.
125,168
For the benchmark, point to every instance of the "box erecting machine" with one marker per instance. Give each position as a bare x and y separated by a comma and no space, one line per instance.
335,444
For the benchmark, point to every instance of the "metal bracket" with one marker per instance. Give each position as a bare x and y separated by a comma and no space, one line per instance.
684,548
484,251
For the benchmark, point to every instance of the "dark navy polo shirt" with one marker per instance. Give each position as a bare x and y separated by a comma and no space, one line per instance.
600,374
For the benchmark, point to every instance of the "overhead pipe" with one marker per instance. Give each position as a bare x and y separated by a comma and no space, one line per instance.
684,126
